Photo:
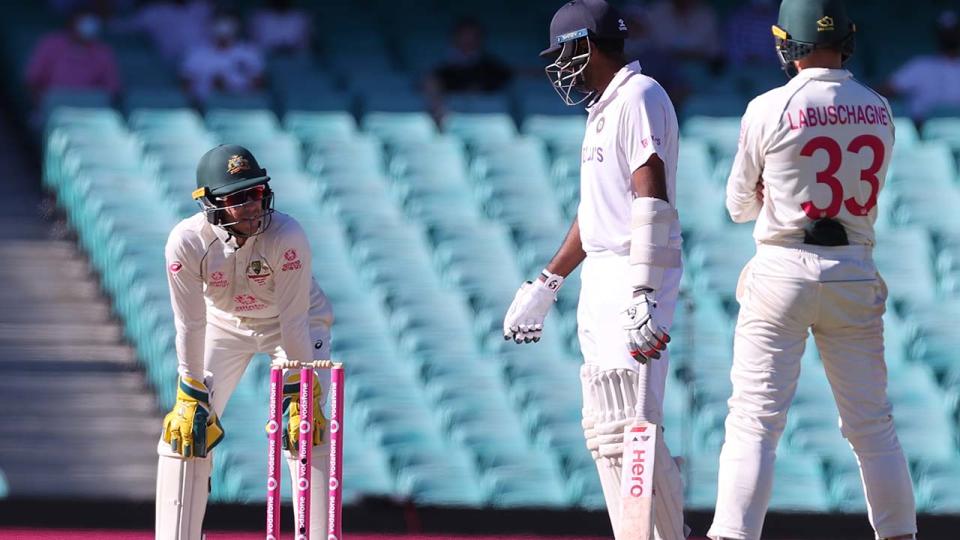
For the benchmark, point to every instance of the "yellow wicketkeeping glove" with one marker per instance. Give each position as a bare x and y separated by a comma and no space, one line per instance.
192,429
291,405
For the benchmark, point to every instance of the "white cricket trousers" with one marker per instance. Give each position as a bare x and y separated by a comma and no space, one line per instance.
779,304
182,485
611,398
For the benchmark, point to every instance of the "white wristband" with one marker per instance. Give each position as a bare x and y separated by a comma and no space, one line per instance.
551,281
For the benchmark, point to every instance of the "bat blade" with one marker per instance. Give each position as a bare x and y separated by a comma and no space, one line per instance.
636,481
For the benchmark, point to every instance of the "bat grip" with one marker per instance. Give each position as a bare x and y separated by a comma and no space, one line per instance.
643,390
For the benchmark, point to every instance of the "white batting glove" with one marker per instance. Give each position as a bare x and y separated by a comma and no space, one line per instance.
524,320
646,333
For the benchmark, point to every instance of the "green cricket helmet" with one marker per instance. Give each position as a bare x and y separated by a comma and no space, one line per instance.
228,176
805,25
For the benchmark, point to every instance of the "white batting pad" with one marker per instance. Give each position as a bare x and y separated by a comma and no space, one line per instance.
182,492
318,488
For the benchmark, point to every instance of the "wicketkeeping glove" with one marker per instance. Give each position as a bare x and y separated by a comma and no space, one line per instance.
524,320
646,334
291,405
192,428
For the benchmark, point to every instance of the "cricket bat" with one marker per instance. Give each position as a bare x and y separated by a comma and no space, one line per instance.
636,475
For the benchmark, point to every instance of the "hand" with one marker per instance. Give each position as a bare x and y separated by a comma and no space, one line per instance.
646,334
524,320
192,428
291,405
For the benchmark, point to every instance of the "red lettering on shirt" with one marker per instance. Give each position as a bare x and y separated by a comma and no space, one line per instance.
832,115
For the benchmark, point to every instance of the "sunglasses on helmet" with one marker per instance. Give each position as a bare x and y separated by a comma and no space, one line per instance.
251,194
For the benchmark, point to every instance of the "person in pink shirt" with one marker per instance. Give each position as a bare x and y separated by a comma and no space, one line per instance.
73,58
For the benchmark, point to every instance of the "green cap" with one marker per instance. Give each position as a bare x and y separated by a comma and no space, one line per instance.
820,22
226,169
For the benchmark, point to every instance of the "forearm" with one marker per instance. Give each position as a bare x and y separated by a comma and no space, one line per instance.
570,254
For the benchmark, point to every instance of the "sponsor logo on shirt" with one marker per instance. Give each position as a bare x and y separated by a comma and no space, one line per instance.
258,271
175,267
591,153
217,279
247,302
290,254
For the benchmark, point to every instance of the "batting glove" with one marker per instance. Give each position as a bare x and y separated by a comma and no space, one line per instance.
291,406
646,333
524,320
192,429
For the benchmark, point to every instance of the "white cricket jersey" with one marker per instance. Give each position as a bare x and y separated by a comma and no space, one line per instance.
631,121
821,144
269,277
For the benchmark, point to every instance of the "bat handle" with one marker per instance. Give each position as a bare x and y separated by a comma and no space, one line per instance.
643,389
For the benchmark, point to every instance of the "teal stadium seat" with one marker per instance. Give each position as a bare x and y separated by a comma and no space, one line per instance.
904,258
400,126
720,132
946,130
314,125
480,128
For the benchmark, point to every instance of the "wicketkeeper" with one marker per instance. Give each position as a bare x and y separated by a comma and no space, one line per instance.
240,284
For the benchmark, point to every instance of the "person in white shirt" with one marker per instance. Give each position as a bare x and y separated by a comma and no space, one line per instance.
932,81
812,158
281,28
174,26
240,283
627,236
225,64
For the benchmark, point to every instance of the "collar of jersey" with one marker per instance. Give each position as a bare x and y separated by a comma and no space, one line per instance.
617,80
823,74
229,241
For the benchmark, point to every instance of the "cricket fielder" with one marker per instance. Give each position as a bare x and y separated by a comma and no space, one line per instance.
240,283
627,236
812,158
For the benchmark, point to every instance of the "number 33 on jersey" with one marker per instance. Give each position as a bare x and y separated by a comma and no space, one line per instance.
821,145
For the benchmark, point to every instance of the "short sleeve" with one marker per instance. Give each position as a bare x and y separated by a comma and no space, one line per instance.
643,127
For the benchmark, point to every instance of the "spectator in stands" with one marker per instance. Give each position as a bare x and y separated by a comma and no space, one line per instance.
174,26
685,29
280,27
932,81
748,34
225,64
469,67
73,58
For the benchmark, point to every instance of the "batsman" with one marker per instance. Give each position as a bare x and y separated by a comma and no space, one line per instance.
627,235
240,283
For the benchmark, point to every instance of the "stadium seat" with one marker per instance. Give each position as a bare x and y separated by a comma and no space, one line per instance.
946,130
252,121
155,98
477,103
313,125
399,126
476,128
720,132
